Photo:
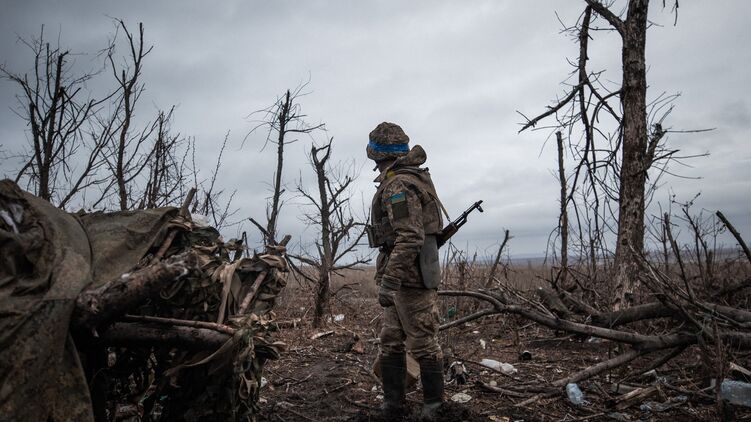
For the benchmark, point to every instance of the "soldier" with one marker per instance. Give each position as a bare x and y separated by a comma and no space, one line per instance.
405,219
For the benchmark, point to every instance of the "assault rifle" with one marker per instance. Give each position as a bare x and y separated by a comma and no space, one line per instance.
454,226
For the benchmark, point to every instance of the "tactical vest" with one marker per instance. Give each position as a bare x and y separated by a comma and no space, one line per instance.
380,233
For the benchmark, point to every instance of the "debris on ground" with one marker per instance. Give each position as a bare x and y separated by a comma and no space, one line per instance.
461,398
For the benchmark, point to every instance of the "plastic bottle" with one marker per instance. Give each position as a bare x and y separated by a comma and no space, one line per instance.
575,395
506,368
736,392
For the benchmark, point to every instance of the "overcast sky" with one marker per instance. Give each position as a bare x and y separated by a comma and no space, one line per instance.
451,73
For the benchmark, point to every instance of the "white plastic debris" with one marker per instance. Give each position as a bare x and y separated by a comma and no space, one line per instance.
461,398
650,374
200,220
506,368
736,392
321,334
575,395
483,343
338,317
491,363
264,381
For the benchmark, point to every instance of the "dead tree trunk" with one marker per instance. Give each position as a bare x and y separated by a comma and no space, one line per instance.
323,290
497,260
631,144
50,103
130,160
282,119
99,306
635,160
563,220
339,233
274,212
134,334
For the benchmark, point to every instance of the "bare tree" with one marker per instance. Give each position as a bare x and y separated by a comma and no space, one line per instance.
618,170
64,155
166,169
127,159
91,150
282,118
562,278
339,231
73,140
210,202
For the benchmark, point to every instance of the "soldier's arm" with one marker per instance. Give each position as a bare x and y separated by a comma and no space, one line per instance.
380,260
405,214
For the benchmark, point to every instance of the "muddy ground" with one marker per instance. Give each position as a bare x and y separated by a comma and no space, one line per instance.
329,378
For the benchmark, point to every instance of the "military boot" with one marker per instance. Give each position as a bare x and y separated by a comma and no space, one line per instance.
394,377
431,374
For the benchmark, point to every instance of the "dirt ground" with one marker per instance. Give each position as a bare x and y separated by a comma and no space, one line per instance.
329,378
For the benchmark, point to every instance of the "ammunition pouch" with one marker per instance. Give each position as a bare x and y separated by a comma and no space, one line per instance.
372,239
380,235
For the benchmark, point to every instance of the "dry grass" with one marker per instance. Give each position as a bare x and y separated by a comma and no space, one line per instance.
357,285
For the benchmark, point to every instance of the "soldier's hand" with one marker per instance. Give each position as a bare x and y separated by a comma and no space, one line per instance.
387,292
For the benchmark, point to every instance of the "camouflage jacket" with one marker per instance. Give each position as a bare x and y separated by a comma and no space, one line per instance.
405,210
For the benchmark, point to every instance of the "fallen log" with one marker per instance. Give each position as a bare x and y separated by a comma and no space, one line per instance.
635,397
640,340
641,344
139,334
468,318
655,310
632,314
98,306
577,305
600,368
502,391
181,322
551,300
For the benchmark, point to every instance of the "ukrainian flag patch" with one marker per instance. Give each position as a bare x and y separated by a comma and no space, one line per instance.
399,206
397,198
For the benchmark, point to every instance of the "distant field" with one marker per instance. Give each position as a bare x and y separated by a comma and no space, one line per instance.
525,275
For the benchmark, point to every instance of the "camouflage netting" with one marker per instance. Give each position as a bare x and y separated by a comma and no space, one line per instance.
44,264
49,257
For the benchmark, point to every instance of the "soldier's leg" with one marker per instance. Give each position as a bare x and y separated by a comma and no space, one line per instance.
393,363
418,312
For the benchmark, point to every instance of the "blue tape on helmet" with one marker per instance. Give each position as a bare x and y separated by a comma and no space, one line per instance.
375,146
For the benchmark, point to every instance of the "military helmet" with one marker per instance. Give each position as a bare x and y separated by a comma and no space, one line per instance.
387,141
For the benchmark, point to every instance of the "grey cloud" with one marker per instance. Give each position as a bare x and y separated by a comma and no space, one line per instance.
452,74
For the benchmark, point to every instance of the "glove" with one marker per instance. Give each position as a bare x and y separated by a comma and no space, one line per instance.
387,292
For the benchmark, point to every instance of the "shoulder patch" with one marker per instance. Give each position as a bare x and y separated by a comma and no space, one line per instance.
397,198
399,206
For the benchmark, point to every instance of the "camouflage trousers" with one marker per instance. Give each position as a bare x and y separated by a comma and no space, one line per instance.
413,321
